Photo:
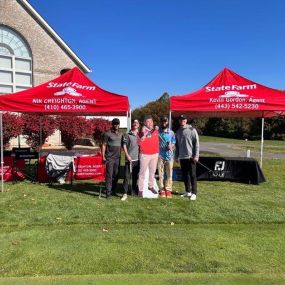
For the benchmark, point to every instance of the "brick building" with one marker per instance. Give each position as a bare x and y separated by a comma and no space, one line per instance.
27,44
31,52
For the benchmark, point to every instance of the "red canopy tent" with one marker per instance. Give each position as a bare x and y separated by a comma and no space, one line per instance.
231,95
72,92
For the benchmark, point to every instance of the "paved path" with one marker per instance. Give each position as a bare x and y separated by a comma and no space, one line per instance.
233,150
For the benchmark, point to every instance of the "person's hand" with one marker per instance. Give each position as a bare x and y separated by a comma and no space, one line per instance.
142,138
170,146
103,160
176,160
129,158
196,158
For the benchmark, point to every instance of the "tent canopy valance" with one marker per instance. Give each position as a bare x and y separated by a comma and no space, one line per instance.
230,95
73,92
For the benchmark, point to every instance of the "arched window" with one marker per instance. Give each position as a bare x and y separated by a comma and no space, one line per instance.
15,62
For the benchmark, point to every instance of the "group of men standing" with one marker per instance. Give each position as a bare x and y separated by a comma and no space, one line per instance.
149,148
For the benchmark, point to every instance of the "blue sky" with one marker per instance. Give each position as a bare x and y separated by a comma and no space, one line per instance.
143,48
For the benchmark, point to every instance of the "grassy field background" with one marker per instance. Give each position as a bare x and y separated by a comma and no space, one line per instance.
233,234
273,146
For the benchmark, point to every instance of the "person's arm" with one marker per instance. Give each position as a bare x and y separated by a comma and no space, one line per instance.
196,146
104,147
103,152
177,148
142,134
124,147
171,145
126,152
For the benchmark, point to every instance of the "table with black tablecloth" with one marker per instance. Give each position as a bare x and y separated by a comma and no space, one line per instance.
236,169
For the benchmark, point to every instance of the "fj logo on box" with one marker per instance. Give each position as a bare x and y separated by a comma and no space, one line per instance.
69,91
219,165
219,169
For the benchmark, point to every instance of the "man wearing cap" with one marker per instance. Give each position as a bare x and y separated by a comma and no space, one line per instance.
165,160
149,149
132,164
187,151
111,152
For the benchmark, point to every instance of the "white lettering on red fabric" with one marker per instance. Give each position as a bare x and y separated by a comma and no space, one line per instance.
230,87
71,84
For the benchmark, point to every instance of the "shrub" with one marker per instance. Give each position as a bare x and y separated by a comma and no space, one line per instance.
99,126
31,128
12,127
73,128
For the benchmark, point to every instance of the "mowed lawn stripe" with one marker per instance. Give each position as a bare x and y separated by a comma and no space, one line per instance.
151,279
118,249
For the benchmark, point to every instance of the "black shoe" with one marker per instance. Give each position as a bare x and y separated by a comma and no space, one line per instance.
108,196
152,190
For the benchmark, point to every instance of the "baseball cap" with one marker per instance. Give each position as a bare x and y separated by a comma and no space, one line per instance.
182,117
115,121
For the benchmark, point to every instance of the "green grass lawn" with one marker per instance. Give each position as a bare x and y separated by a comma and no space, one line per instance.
273,146
276,143
233,234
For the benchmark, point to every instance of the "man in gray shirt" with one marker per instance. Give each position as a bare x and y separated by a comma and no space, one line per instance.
111,154
187,152
132,164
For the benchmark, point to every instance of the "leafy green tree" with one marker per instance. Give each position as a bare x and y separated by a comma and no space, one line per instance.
156,109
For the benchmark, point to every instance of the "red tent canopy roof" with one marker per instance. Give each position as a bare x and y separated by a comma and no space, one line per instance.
230,95
72,92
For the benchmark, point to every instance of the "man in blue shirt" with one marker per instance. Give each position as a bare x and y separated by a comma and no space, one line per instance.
165,160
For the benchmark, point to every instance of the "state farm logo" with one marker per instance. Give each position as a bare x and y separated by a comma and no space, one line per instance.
233,94
70,88
69,91
232,87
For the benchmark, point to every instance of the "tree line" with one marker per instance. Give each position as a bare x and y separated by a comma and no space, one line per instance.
239,128
74,128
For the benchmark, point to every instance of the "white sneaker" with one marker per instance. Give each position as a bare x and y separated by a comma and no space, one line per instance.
124,198
193,197
187,194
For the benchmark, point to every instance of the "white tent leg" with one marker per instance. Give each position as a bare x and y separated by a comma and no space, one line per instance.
262,141
41,136
2,152
130,119
170,122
